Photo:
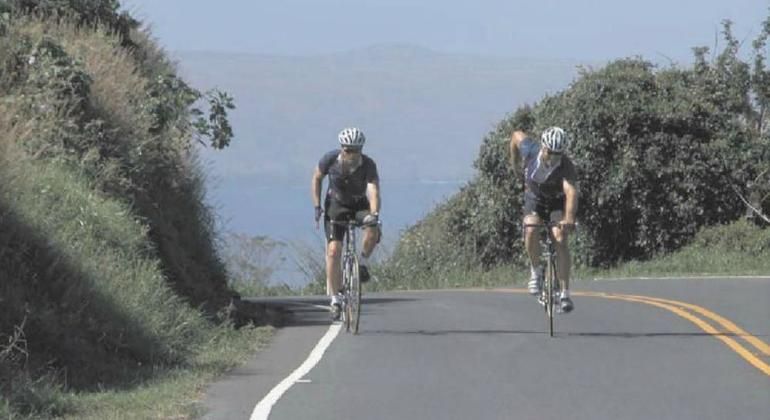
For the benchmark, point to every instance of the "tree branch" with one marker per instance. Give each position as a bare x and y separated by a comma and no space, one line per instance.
755,210
760,176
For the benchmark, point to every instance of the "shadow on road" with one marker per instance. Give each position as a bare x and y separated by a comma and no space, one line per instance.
449,332
293,301
642,335
304,310
557,334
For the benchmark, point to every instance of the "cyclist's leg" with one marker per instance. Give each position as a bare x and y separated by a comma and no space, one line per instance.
372,234
562,251
563,262
532,245
370,241
334,236
531,240
333,268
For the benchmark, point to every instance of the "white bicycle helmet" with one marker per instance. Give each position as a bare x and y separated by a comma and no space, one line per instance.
352,137
555,139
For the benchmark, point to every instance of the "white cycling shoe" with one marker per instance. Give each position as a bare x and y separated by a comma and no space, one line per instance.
535,285
335,307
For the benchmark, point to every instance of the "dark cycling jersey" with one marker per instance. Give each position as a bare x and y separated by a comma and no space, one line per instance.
346,186
543,183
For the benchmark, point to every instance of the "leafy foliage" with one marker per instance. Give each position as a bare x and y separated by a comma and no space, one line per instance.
217,127
660,154
170,100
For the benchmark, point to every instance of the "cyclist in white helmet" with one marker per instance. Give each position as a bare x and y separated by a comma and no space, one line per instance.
353,192
550,193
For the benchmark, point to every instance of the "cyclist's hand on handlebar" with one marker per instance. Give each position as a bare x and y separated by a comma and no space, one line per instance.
371,219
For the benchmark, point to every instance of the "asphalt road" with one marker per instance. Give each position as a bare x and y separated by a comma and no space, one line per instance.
632,349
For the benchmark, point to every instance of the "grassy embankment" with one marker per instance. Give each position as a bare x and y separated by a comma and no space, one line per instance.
112,296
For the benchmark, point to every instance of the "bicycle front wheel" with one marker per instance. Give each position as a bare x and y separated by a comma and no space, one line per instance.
550,279
355,296
347,277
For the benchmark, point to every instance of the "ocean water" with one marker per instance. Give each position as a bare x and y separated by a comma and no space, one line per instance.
285,213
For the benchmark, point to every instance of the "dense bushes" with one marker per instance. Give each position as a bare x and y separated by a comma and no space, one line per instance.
659,157
661,153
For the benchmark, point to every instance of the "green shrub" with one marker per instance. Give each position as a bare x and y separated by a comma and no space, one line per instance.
660,155
740,237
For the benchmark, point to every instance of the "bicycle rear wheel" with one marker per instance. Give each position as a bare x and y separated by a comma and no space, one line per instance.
355,296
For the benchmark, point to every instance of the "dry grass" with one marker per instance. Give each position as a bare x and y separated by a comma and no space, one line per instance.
118,87
12,131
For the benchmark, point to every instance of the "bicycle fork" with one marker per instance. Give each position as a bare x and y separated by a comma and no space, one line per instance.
551,276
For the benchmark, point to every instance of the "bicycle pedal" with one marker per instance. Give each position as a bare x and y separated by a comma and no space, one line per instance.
336,312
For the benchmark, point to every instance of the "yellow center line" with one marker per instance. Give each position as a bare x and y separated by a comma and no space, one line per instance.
734,345
727,324
675,307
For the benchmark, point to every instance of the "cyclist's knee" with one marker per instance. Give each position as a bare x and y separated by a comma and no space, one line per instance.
373,234
334,249
530,234
560,236
531,219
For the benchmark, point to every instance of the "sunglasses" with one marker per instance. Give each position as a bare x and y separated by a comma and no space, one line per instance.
351,150
554,153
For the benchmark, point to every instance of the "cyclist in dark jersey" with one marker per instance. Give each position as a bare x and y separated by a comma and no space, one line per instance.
353,193
550,193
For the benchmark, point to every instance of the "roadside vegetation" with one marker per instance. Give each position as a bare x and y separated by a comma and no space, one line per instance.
114,301
673,175
115,288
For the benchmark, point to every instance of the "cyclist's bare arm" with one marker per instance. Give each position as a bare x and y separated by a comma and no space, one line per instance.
571,202
516,138
373,191
315,187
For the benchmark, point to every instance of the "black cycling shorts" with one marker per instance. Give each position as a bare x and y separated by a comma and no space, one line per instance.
543,209
334,210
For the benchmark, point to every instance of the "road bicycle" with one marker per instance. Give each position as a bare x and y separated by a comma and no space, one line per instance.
352,289
550,292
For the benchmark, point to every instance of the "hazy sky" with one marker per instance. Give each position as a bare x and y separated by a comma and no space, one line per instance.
576,29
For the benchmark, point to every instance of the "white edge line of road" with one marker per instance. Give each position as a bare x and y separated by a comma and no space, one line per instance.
262,409
681,278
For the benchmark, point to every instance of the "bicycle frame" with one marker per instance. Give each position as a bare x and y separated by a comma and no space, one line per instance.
550,294
351,282
352,289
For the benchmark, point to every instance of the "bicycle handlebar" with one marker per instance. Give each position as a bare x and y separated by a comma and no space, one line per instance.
550,224
354,223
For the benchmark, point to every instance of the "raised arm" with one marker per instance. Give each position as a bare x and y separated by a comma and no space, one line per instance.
515,154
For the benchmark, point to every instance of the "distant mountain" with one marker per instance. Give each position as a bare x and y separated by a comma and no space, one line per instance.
424,112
